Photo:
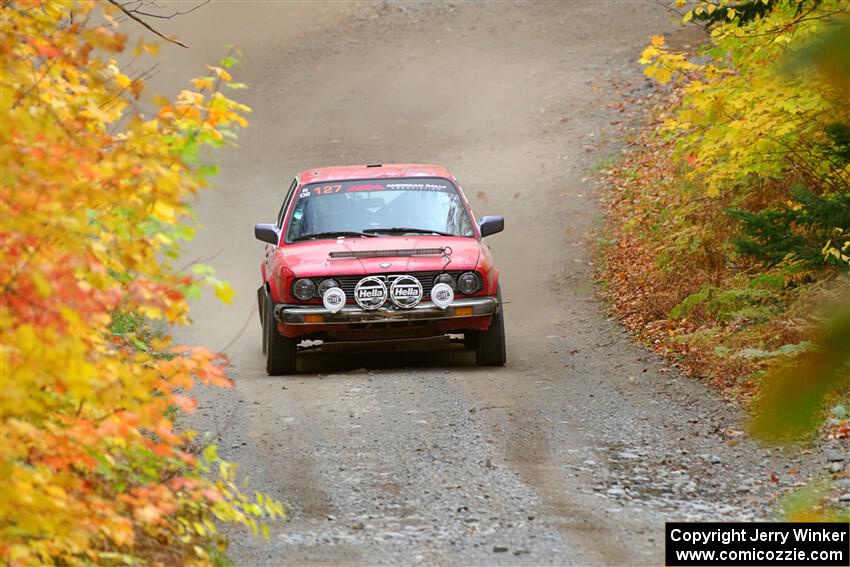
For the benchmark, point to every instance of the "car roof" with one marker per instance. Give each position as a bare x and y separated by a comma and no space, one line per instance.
372,171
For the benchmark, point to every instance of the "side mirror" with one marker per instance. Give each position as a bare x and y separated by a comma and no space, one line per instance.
266,233
491,225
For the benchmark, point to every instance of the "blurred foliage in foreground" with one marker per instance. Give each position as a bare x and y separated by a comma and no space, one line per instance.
93,192
791,406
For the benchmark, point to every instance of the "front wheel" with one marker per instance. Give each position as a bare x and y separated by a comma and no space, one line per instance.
490,344
280,351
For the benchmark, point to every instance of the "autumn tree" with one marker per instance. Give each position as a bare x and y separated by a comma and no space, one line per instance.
93,198
765,122
730,211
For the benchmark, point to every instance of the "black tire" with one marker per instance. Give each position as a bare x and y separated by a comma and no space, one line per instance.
490,344
280,351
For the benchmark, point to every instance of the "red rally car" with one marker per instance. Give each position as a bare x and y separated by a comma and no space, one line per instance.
376,252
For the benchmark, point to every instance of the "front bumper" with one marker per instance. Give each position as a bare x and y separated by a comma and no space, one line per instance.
314,315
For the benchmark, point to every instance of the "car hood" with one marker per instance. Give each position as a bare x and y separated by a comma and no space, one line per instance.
310,259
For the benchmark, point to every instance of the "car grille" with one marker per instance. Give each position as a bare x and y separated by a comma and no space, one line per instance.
348,283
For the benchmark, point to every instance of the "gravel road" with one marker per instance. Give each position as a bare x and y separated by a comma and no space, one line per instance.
576,451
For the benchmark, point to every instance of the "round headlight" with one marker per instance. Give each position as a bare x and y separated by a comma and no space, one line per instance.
326,285
304,289
446,279
469,282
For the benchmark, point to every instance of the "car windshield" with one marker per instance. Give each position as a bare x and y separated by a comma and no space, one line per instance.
378,207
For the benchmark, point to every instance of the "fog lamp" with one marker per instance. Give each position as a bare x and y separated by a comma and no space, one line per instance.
446,279
326,285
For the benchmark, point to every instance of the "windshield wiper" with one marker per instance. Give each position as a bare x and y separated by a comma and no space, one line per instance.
402,230
331,234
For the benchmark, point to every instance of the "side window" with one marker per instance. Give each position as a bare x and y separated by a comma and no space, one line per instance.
286,202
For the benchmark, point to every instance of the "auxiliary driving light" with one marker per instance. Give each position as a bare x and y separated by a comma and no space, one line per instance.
333,299
304,289
442,295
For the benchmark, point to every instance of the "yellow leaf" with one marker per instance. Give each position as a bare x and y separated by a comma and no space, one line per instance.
657,40
26,339
224,75
150,312
203,83
164,212
42,286
648,55
663,75
224,292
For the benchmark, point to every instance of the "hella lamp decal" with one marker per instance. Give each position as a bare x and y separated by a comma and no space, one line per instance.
370,293
406,292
